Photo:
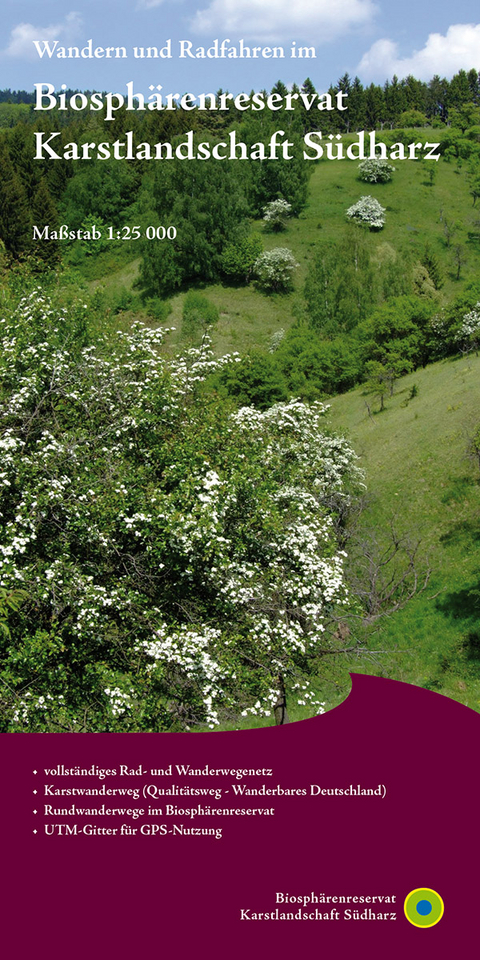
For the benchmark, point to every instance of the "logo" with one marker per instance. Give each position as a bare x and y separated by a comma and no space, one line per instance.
423,907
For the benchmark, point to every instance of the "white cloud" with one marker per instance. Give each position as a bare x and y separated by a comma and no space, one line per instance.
23,35
318,21
445,55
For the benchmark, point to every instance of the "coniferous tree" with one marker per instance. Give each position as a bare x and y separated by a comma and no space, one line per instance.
474,84
415,94
309,117
15,220
356,105
374,107
437,98
459,91
395,101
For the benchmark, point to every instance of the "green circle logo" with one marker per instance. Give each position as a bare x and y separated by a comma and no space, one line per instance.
423,907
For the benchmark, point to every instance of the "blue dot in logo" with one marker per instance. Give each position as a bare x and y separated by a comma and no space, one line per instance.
424,907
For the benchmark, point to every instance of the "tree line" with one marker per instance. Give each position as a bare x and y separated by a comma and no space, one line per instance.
368,106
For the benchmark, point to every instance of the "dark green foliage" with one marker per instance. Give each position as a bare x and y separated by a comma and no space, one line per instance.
238,258
257,380
314,368
206,203
102,189
458,146
19,143
301,365
355,115
398,334
15,218
374,106
161,273
280,178
308,118
274,179
395,101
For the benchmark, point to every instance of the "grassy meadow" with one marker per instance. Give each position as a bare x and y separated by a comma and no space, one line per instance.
419,475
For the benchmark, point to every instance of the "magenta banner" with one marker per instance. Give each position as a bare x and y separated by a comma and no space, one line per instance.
350,834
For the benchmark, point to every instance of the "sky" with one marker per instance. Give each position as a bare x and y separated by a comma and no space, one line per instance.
373,39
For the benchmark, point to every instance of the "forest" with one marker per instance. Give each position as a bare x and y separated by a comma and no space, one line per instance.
238,411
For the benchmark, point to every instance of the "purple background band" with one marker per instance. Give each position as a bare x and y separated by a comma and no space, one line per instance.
90,897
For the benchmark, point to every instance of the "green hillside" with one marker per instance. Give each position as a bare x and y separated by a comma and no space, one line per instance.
415,456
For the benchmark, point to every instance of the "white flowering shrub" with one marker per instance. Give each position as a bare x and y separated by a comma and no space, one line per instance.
468,334
375,170
176,561
452,332
369,211
274,269
276,213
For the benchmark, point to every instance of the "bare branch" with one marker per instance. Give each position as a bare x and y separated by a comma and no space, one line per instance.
385,576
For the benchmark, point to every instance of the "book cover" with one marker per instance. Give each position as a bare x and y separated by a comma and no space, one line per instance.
239,487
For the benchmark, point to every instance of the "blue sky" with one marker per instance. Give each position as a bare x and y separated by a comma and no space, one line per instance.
371,38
